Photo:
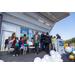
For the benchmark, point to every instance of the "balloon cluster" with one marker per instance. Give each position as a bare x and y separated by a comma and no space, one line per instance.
55,57
70,50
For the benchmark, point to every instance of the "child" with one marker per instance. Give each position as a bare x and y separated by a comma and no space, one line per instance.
24,49
23,45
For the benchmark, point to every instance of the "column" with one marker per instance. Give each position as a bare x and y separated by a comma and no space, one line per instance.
0,28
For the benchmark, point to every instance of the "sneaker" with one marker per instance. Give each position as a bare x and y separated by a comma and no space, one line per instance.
16,54
13,55
42,52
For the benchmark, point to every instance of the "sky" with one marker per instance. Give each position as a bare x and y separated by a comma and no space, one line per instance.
65,27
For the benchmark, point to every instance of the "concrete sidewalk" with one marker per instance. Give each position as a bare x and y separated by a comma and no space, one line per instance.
27,58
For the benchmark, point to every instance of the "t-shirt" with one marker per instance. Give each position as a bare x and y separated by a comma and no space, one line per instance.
25,39
14,42
53,40
36,37
58,37
22,42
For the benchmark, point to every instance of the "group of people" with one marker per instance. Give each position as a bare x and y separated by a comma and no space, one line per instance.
14,42
45,41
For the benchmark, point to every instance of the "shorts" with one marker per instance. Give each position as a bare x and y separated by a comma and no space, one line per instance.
24,48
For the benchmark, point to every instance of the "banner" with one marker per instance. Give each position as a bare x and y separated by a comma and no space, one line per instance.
29,33
24,31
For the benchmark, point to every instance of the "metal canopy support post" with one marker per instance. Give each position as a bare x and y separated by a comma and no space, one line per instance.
0,27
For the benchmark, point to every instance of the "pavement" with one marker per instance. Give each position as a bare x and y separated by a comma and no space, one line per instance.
27,58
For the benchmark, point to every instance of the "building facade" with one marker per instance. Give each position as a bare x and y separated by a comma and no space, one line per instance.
26,23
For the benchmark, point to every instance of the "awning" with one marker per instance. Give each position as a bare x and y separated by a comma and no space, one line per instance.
54,16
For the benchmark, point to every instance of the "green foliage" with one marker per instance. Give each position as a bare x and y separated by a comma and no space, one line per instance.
69,41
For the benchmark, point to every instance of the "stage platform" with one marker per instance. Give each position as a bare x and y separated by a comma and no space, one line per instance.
27,58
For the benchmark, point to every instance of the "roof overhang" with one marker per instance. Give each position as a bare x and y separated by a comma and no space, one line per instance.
54,16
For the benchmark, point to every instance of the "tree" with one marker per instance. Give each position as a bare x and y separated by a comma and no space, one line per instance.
69,41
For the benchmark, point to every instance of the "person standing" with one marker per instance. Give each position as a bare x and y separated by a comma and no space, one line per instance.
25,38
6,42
47,42
53,43
36,41
42,42
58,36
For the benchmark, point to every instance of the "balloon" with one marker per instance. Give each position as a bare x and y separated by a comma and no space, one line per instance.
73,52
53,57
56,60
44,60
1,61
47,56
52,52
68,49
61,60
57,53
58,56
50,59
72,48
37,59
71,57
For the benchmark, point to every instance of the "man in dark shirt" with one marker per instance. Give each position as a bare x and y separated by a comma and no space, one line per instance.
58,36
6,42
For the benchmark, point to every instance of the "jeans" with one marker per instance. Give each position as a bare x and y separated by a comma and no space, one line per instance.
42,46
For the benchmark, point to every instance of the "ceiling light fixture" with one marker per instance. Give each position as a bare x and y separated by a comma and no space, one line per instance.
40,21
48,13
54,17
47,24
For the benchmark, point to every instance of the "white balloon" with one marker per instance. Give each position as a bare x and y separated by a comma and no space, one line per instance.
53,57
68,49
44,60
56,60
52,52
37,59
50,59
57,53
60,60
58,56
47,56
1,61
